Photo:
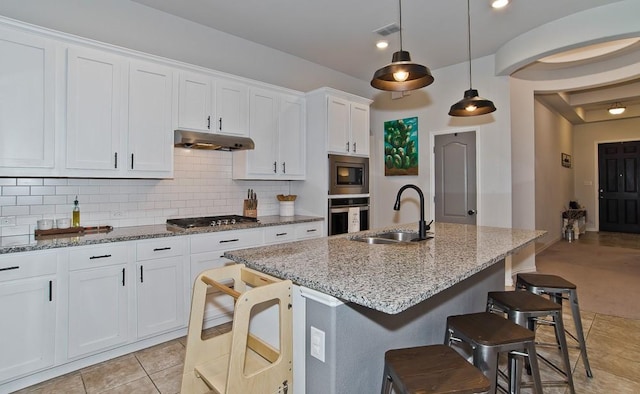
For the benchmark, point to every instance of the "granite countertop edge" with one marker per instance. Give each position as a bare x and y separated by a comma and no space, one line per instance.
133,233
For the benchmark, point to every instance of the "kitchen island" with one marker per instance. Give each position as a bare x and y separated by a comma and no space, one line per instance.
368,298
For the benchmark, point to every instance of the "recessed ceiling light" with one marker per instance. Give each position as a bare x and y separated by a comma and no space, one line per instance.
382,44
499,3
617,109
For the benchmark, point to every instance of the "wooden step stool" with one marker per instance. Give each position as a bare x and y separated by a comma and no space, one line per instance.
238,361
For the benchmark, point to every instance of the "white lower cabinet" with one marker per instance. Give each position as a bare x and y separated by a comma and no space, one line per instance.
28,303
161,287
98,299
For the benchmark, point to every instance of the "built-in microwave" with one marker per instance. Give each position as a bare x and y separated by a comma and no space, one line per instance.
348,175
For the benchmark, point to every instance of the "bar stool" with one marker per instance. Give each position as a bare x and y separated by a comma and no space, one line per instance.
489,335
434,369
556,287
525,308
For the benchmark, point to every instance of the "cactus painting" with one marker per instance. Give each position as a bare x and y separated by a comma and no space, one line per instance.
401,147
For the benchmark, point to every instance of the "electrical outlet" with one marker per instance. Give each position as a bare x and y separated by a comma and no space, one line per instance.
7,221
317,343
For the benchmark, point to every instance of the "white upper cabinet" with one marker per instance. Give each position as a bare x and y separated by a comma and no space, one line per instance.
150,135
118,116
277,127
27,97
347,126
212,105
94,110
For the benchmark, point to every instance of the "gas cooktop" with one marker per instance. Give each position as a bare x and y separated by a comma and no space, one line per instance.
210,221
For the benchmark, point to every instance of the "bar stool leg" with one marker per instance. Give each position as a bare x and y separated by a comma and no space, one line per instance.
486,360
386,381
575,311
559,327
533,360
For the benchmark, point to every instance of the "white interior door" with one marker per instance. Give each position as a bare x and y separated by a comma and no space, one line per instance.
455,178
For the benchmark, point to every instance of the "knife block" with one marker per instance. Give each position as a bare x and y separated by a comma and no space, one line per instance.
250,208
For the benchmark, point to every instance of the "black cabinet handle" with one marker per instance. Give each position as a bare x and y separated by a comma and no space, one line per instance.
115,160
280,234
220,126
104,256
159,249
354,147
209,122
141,274
347,146
10,268
123,277
275,167
284,167
229,240
312,230
132,161
50,290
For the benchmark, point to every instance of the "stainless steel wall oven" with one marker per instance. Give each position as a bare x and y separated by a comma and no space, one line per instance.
339,214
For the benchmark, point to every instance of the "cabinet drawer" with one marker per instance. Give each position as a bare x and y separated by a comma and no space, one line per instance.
97,256
309,230
279,234
159,248
226,240
28,264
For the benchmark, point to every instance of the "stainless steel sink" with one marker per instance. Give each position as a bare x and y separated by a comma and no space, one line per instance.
394,237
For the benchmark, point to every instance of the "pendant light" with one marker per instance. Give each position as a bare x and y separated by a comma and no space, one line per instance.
617,109
402,74
471,104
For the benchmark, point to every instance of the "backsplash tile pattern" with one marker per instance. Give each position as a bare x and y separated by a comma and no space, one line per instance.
202,186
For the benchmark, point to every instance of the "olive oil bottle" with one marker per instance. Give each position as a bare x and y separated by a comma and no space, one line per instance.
75,217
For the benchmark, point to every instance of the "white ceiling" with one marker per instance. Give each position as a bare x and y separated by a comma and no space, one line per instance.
339,34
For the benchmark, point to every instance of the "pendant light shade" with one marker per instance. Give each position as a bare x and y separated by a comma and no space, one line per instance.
402,74
472,104
617,109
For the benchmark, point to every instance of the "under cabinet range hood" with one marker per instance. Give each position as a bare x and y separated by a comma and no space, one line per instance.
210,141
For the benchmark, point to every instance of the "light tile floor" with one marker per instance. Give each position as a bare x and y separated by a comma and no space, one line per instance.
613,345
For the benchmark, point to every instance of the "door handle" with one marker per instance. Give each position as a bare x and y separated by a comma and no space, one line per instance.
471,212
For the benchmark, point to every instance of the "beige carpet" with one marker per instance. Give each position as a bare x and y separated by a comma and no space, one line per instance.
608,278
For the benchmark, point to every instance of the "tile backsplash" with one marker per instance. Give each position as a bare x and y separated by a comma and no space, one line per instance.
202,186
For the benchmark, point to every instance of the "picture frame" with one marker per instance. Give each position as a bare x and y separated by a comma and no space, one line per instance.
566,160
401,154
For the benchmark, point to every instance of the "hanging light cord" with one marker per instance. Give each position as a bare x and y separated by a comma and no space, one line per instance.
469,41
400,8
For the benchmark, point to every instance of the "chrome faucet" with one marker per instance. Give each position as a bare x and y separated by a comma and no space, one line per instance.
422,224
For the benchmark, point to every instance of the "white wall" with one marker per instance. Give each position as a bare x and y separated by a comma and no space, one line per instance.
431,105
586,138
201,186
553,183
135,26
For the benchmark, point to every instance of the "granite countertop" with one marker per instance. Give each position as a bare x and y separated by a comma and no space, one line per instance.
391,277
141,232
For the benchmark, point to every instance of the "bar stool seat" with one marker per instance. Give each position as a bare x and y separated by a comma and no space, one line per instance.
434,369
525,309
557,287
488,335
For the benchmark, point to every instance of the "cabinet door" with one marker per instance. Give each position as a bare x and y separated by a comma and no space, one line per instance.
195,102
94,101
338,125
264,132
291,137
160,295
27,74
98,316
27,326
359,126
150,137
231,103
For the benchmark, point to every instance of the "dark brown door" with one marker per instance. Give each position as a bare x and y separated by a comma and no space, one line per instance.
619,180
